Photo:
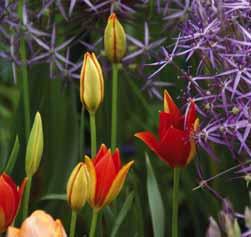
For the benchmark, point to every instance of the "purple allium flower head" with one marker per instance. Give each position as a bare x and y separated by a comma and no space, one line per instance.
217,36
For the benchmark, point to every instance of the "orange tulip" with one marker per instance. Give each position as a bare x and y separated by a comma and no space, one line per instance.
10,199
107,176
39,224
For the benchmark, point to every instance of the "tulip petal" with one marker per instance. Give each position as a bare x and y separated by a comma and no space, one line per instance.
101,152
169,105
149,139
192,142
105,173
165,122
59,229
175,147
2,221
9,198
118,183
93,180
190,116
116,160
13,232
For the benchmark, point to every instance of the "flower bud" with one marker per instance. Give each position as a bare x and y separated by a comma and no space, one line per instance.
78,187
114,39
91,83
34,147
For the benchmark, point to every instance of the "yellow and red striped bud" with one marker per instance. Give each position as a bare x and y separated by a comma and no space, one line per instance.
91,83
78,187
114,39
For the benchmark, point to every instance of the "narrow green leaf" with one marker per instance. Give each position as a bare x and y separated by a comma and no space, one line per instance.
54,196
155,201
122,214
13,156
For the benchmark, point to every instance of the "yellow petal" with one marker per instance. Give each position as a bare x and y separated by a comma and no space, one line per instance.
92,180
59,229
118,183
192,143
13,232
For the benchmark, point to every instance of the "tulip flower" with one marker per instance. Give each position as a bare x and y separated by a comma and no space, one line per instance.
107,176
175,144
114,39
91,83
78,187
39,224
10,199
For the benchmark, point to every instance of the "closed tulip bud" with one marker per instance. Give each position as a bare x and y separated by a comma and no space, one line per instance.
114,39
78,187
35,147
39,224
91,83
247,215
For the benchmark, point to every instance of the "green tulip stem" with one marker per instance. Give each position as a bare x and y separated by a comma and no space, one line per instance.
176,177
26,198
24,76
82,132
114,105
93,223
73,223
93,134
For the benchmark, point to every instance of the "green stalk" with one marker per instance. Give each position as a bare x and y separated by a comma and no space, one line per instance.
82,132
26,197
114,105
24,75
93,134
94,223
176,177
73,223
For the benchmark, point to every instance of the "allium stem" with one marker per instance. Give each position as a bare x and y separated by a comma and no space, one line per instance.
94,223
26,198
82,132
24,75
73,223
176,177
114,105
93,134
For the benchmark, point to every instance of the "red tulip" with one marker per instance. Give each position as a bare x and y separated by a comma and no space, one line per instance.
175,144
10,199
107,176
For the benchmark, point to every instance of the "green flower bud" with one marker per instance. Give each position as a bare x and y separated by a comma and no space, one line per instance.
78,187
114,39
34,147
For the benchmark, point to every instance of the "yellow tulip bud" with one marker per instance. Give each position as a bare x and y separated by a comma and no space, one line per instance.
78,187
114,39
34,147
91,83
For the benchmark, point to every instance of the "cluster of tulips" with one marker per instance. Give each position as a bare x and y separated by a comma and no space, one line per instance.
99,179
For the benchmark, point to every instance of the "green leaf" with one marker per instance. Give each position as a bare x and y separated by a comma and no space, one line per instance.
122,214
155,201
13,156
54,196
